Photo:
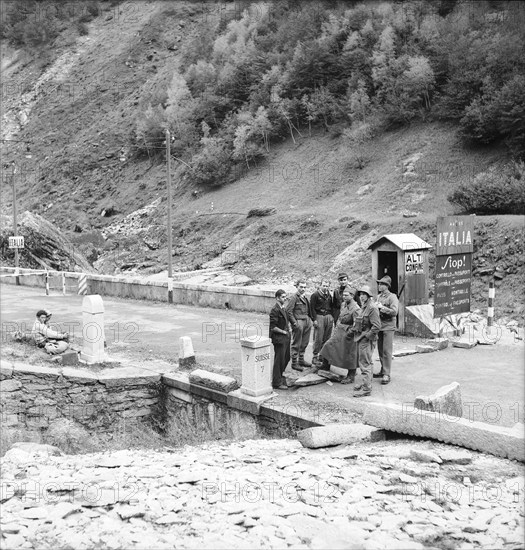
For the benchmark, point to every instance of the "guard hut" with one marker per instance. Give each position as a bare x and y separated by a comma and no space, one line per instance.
404,258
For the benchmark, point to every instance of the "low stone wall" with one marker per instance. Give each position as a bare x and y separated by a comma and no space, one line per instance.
234,412
32,396
237,298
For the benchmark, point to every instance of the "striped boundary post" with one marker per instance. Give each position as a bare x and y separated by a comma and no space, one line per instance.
82,284
47,283
63,283
490,308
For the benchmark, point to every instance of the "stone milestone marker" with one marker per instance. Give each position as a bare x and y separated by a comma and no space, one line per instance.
93,329
256,366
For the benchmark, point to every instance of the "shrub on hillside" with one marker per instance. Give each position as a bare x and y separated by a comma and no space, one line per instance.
499,114
211,165
496,191
149,132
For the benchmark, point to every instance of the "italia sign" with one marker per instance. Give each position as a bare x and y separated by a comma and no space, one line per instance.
454,249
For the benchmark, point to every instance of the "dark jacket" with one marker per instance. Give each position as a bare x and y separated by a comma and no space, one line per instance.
367,323
279,319
298,308
388,313
338,301
321,304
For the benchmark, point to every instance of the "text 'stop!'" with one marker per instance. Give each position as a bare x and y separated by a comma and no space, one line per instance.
455,235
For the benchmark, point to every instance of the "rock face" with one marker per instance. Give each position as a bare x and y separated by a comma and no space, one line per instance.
338,434
446,400
44,245
259,494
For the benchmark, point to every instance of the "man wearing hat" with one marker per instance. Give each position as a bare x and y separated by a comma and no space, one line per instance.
44,336
366,327
338,295
388,305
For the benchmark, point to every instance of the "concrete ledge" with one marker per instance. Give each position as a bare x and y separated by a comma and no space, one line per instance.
128,376
179,380
34,370
246,403
79,375
209,393
496,440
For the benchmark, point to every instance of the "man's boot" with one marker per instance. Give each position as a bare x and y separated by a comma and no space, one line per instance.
304,363
295,364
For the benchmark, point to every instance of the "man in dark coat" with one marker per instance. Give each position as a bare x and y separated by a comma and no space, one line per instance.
338,295
300,315
341,349
322,303
280,334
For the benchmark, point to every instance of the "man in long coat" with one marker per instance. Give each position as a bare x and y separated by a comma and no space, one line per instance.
280,335
341,349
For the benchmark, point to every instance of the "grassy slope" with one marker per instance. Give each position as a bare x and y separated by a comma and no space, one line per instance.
325,215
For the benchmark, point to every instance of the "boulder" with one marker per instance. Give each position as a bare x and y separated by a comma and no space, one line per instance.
330,375
338,434
446,400
425,348
214,381
466,344
437,343
309,380
338,370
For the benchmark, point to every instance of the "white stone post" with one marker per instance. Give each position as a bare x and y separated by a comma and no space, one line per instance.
186,353
93,329
256,366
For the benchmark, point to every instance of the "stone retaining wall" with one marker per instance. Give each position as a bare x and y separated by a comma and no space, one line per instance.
32,396
237,298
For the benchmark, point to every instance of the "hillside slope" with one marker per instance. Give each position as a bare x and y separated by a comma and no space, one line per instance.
330,201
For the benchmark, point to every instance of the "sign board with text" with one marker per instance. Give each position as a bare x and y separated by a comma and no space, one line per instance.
414,263
455,235
453,282
16,242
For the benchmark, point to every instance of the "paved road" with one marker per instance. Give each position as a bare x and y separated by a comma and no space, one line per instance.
491,377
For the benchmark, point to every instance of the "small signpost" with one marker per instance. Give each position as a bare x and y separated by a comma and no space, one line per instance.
454,247
16,242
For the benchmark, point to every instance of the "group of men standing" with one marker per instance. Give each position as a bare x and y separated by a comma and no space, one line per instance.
347,323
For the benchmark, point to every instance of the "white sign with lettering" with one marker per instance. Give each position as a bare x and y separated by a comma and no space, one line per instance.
16,242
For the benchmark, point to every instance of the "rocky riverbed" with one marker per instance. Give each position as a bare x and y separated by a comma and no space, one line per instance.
262,494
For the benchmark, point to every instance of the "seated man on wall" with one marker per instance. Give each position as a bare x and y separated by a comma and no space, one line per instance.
44,336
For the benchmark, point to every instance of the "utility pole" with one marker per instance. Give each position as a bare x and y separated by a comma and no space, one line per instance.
170,246
15,226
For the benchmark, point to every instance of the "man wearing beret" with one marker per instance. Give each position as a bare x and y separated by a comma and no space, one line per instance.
388,305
